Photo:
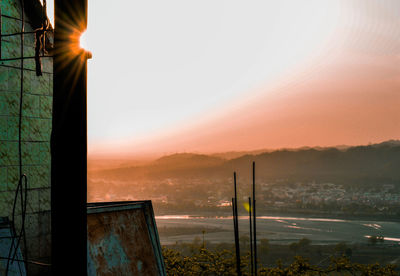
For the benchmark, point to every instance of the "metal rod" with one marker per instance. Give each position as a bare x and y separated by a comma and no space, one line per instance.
204,245
13,249
23,206
0,31
234,219
251,241
21,58
235,232
19,33
26,69
15,18
234,222
237,229
254,218
25,261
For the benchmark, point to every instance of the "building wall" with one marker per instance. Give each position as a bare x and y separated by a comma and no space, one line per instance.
36,129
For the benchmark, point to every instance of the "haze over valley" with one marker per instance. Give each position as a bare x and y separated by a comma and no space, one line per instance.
346,180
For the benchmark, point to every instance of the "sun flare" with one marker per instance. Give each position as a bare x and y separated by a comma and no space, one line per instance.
83,41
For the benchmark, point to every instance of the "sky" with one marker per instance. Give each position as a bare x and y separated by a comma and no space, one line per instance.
212,76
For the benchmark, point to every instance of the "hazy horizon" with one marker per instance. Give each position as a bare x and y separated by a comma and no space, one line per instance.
151,157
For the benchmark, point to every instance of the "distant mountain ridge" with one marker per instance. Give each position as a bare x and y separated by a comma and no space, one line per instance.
359,164
188,160
236,154
375,163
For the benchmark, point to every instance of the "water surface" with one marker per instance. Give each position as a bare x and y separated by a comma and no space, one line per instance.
283,230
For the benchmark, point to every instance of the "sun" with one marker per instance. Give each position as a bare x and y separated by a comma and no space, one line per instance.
83,41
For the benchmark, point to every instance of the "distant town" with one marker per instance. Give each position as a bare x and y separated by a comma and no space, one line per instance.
192,196
208,190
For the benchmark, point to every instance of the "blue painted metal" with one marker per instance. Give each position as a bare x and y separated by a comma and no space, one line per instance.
123,239
16,268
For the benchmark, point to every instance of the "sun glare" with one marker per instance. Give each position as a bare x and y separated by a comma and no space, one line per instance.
83,41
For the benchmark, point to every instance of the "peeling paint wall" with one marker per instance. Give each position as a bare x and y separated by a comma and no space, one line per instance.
123,239
36,129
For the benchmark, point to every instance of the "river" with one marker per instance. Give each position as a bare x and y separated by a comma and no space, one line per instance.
282,229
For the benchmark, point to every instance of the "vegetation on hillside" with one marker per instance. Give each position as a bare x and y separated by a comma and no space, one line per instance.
222,262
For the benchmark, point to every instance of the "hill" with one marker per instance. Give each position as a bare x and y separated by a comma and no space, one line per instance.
359,165
188,160
355,165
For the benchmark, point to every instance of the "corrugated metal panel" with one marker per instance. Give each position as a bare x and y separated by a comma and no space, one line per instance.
123,239
17,267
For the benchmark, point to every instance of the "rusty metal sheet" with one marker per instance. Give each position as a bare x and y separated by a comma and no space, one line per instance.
123,239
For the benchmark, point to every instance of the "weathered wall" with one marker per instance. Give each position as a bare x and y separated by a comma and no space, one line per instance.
36,128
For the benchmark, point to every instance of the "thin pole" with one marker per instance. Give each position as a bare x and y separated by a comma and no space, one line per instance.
251,241
237,229
23,206
233,217
204,245
254,217
1,16
235,232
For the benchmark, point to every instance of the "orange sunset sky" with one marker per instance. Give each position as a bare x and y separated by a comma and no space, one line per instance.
231,76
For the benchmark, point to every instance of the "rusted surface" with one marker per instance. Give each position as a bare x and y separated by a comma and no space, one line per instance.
123,240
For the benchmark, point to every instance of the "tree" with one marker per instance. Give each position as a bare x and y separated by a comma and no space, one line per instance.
195,245
342,249
304,243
